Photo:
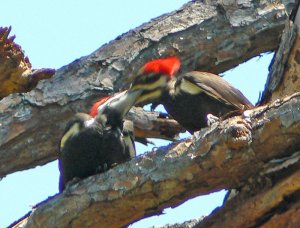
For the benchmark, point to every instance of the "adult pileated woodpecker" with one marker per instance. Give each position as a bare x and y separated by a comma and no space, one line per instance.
92,145
190,97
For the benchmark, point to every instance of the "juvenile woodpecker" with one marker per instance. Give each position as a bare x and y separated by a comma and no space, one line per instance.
93,145
189,98
128,126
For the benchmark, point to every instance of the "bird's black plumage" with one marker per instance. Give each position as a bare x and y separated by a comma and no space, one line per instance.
189,97
93,145
194,95
92,149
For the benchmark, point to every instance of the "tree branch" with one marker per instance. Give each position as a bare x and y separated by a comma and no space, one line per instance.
285,67
214,36
257,205
16,74
41,136
222,156
154,125
279,63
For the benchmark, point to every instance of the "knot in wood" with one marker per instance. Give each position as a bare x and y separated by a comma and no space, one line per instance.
237,133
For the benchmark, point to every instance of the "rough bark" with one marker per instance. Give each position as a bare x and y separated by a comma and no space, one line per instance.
282,79
261,161
154,125
16,74
265,207
290,80
45,132
211,35
285,67
226,155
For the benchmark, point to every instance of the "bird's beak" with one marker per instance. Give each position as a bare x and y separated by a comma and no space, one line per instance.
125,101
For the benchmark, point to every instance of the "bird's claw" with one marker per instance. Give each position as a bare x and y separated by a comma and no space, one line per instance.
70,183
247,116
211,119
102,168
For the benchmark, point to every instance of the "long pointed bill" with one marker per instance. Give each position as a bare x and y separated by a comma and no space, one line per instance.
121,103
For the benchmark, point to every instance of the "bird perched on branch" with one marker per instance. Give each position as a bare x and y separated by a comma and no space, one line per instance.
191,98
128,128
93,145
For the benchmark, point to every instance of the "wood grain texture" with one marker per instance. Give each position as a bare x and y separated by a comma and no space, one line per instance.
211,35
16,74
222,156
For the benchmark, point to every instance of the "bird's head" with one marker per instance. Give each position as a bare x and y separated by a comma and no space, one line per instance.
112,109
96,105
164,66
152,79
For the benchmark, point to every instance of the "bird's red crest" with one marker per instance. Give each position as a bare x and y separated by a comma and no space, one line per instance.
167,66
94,109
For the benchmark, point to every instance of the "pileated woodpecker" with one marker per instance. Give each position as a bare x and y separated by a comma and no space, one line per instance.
189,97
128,128
92,145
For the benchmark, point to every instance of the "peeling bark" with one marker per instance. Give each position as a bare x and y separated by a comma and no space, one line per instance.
259,157
211,35
16,74
290,79
285,67
39,139
223,156
257,210
279,83
286,219
154,125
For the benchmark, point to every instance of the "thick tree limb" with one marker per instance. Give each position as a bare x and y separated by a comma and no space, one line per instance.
222,156
154,125
259,207
277,84
274,206
285,67
35,136
214,36
262,203
290,78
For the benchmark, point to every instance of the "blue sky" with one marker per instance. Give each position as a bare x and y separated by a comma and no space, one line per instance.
53,34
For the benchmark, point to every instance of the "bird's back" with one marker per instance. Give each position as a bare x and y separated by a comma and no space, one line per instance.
194,95
93,149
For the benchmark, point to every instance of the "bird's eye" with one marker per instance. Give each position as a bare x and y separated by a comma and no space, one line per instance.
148,78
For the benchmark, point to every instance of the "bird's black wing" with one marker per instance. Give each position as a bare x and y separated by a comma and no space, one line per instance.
218,88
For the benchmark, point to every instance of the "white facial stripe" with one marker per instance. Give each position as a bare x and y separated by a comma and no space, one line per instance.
89,122
129,143
149,96
161,82
72,131
189,87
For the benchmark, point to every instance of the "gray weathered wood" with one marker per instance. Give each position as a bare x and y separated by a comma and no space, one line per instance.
211,35
222,156
279,62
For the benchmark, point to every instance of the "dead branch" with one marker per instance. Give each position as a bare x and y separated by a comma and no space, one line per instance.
37,149
279,63
16,74
213,36
285,67
222,156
